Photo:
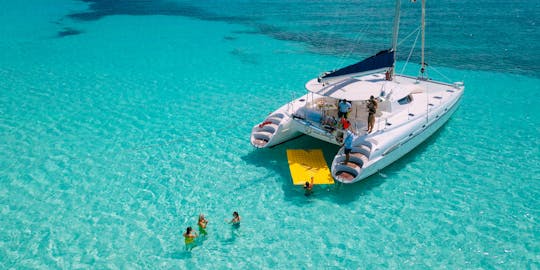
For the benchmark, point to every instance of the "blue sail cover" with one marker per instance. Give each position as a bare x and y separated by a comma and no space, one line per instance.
382,59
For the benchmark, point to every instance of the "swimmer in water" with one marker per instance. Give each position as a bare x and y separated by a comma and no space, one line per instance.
308,187
236,220
189,238
202,224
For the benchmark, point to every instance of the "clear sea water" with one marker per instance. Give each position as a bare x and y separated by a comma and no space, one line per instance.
121,121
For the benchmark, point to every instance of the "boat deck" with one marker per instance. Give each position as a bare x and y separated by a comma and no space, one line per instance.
426,96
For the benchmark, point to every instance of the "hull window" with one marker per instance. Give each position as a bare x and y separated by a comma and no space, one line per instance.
405,100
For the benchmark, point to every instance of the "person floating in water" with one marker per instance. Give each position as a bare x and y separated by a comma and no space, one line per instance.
236,220
308,187
202,224
189,238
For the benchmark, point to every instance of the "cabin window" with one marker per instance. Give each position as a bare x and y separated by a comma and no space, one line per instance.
405,100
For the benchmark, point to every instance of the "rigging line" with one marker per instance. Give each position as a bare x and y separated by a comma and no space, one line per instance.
449,80
410,53
409,35
359,36
344,55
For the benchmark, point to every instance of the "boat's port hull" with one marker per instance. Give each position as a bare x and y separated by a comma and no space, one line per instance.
275,129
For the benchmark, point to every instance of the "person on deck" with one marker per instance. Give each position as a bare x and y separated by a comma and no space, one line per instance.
372,109
345,124
344,107
349,137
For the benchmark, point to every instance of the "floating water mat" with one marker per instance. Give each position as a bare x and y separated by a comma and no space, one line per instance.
306,163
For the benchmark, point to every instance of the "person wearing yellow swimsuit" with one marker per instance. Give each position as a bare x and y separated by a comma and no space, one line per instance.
189,238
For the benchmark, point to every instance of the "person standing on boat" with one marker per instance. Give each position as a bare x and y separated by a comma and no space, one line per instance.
349,137
344,107
372,109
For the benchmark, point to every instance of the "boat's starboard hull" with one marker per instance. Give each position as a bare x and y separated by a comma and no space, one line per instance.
347,174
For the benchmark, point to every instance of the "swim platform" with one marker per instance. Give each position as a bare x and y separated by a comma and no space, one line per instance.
306,163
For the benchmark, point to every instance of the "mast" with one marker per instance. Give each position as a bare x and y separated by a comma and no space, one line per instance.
423,63
423,68
395,35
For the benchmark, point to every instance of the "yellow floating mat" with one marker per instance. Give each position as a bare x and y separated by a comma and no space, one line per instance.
306,163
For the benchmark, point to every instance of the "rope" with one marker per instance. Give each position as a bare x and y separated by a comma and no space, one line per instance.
412,49
357,39
409,35
438,72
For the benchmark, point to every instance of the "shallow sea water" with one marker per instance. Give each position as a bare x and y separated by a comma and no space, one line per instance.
113,140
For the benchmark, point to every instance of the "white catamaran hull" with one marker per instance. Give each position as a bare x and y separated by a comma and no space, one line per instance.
287,123
386,114
419,132
412,123
276,128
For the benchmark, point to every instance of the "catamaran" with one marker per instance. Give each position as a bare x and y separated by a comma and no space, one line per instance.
410,109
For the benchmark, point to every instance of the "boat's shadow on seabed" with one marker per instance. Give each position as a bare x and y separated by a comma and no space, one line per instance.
275,159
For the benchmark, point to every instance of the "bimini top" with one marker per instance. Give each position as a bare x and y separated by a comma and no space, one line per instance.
352,89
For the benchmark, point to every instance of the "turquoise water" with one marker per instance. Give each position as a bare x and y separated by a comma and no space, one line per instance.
117,131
